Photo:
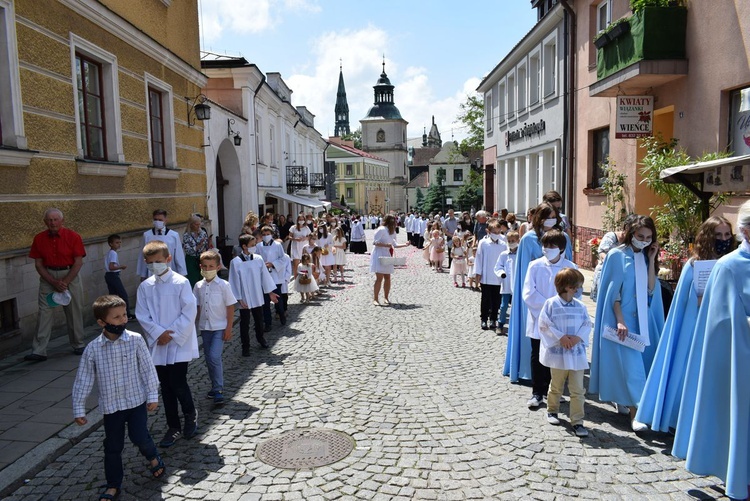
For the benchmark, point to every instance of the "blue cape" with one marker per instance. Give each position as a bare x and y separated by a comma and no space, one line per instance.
661,397
518,353
618,373
718,441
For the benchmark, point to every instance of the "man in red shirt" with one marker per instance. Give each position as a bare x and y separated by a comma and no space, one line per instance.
58,256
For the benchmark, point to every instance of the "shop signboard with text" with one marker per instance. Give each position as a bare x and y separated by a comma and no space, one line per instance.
635,117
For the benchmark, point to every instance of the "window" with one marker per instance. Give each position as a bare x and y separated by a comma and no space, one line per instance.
511,97
501,101
156,124
739,125
271,134
380,138
8,316
349,170
350,193
488,111
97,110
11,112
600,139
603,15
458,174
521,80
550,65
535,74
259,135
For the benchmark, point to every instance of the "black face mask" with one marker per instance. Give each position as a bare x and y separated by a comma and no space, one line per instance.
117,330
723,246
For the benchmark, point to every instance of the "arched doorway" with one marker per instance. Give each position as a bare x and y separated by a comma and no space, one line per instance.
228,200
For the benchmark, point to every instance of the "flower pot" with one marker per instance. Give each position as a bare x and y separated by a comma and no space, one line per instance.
602,40
619,29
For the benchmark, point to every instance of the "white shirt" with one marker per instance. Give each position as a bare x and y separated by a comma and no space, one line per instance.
559,318
488,251
286,274
540,286
165,303
408,223
213,298
174,243
111,257
272,253
123,371
249,280
506,263
358,232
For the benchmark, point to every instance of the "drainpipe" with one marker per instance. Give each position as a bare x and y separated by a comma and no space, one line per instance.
255,112
569,83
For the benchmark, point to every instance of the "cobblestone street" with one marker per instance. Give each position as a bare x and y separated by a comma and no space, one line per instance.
417,385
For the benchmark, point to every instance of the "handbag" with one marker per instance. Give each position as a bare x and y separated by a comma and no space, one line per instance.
303,279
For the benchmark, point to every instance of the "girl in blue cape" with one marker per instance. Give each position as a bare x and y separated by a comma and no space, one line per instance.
660,402
518,354
716,428
630,302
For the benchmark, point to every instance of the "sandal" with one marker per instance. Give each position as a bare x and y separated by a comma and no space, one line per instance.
159,469
109,497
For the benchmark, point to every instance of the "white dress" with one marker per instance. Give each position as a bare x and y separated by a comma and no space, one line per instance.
323,242
340,256
382,237
305,270
296,247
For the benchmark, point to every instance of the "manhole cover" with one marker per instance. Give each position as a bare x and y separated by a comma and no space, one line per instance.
274,394
305,449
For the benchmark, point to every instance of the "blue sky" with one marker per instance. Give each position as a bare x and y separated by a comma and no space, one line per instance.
436,52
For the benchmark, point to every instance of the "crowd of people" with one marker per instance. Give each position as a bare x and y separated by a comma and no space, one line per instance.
672,365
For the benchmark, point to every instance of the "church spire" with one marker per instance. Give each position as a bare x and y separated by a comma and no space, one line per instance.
342,107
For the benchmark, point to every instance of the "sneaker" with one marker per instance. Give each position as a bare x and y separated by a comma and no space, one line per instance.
455,284
463,286
484,325
173,434
638,426
621,409
191,424
580,430
499,329
535,401
218,398
552,418
493,326
211,394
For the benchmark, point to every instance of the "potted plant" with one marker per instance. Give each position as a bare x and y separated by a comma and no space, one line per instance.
602,39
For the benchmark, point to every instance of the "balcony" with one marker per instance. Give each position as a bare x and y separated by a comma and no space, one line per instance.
317,181
650,54
296,178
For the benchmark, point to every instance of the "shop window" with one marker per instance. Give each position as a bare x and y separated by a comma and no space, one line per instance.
600,139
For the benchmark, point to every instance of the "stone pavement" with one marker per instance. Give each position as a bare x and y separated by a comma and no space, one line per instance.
417,385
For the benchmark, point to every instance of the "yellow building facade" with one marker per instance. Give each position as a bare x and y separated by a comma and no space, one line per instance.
95,100
358,174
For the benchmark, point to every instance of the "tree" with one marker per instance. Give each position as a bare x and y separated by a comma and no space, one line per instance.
472,117
420,200
432,201
355,136
470,193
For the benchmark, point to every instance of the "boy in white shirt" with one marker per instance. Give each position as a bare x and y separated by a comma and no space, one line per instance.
488,252
170,237
537,288
249,280
505,268
564,328
273,255
112,268
215,319
166,310
286,276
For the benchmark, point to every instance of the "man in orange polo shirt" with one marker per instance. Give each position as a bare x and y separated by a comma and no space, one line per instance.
58,256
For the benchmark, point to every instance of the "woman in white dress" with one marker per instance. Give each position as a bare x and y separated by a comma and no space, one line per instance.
327,259
298,235
383,241
339,250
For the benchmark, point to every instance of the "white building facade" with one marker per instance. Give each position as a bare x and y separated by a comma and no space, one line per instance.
525,116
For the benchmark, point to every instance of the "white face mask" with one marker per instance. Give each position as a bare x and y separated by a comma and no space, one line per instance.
159,225
495,236
209,274
549,223
157,268
551,253
267,238
640,245
513,245
251,250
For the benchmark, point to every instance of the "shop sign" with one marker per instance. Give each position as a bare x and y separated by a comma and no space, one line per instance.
635,117
526,131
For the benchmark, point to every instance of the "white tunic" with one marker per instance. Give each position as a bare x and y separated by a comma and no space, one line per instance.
557,319
167,303
488,251
273,253
249,279
174,243
540,286
506,263
286,274
358,232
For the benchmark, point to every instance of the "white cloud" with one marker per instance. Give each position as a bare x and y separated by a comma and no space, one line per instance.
243,16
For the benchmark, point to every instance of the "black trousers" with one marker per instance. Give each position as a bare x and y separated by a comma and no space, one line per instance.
174,388
257,314
420,242
490,303
540,374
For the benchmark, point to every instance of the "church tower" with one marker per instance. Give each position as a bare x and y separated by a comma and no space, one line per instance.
342,108
384,135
